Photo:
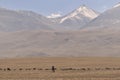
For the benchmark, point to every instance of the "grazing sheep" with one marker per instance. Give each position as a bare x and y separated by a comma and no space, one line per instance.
62,69
28,69
1,69
34,69
46,69
20,69
8,69
14,69
88,69
40,69
70,68
4,69
118,68
107,68
65,69
83,69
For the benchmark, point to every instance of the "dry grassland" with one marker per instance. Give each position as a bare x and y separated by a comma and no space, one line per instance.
67,69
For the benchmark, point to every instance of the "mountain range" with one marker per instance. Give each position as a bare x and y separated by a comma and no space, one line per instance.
110,19
83,32
22,20
27,20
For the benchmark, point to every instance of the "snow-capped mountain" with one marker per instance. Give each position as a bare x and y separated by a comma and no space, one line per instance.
11,20
78,17
109,19
99,36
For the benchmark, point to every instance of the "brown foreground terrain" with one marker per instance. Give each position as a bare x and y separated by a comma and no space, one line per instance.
66,69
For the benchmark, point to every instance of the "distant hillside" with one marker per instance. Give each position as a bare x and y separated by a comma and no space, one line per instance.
32,35
22,20
109,19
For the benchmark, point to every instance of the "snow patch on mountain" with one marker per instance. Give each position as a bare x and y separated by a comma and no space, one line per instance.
54,15
117,5
84,11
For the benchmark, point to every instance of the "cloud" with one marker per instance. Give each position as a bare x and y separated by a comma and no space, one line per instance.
54,15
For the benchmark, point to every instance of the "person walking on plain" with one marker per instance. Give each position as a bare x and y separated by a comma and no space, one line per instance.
53,69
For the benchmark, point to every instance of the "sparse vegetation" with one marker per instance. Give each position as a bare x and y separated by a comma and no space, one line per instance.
65,69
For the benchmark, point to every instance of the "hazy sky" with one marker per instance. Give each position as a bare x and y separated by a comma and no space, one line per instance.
47,7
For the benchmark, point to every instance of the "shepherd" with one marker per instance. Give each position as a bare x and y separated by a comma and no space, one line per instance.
53,69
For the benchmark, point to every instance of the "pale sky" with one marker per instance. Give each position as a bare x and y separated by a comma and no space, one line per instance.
47,7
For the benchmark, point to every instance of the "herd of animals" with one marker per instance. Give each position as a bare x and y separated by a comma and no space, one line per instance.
54,69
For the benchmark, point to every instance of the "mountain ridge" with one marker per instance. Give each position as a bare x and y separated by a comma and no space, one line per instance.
106,20
15,20
78,17
99,38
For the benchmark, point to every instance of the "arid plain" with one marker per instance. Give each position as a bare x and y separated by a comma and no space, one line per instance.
66,68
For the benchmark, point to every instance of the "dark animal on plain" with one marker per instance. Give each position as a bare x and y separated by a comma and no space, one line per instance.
118,68
14,69
83,69
34,68
40,69
107,68
20,69
4,69
88,69
8,69
28,69
1,69
47,69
